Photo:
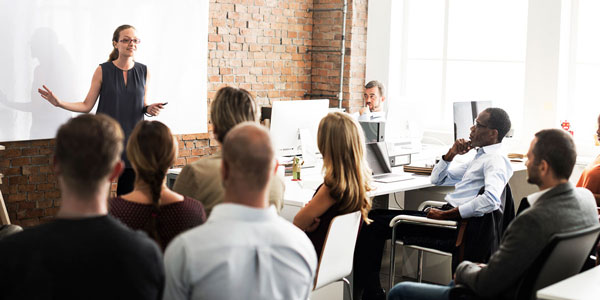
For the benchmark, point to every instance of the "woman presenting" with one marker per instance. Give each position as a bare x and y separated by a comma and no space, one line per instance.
121,84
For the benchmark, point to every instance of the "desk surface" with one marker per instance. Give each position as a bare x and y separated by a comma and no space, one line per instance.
298,193
582,286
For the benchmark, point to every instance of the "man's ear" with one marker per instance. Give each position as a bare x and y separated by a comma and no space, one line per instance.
544,168
224,170
382,98
494,134
117,170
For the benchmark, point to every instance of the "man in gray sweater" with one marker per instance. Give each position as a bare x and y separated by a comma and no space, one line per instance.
557,207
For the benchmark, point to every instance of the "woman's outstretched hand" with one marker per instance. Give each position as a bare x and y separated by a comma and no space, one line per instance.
47,94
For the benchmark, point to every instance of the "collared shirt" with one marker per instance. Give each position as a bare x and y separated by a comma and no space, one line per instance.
240,253
535,196
489,168
375,116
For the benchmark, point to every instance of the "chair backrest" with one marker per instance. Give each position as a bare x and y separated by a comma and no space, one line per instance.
482,235
561,259
6,230
338,250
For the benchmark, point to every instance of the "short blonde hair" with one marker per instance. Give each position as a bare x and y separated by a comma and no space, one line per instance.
230,107
347,174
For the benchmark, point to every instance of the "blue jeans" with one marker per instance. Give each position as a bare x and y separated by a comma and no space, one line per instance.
419,291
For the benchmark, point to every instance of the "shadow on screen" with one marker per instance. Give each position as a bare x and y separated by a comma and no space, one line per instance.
56,70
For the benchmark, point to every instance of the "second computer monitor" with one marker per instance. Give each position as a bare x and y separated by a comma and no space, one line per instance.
465,114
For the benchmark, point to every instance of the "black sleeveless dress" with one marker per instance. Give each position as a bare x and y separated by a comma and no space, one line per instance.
318,236
123,102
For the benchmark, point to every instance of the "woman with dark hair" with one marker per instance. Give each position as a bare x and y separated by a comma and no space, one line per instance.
121,85
152,206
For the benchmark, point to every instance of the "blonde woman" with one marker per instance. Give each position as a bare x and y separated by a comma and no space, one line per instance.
152,206
346,181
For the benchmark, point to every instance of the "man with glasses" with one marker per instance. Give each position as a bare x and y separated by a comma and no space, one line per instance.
374,97
489,169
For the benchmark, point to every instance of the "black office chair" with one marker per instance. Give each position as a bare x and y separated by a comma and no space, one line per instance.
560,259
477,237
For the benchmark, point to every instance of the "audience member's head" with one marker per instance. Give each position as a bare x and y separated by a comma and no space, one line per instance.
230,107
499,120
248,160
152,150
88,148
551,155
374,95
342,144
490,127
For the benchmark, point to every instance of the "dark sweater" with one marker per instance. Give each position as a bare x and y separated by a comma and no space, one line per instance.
88,258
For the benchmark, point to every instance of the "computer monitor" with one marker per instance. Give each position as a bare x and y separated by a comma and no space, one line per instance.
291,118
465,114
374,131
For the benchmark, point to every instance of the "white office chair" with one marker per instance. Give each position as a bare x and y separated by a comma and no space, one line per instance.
338,251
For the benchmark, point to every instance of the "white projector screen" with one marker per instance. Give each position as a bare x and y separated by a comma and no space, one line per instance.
60,43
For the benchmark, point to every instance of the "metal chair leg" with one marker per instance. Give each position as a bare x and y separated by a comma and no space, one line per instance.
347,284
392,258
420,265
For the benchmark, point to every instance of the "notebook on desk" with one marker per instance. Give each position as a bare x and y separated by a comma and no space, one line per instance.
378,160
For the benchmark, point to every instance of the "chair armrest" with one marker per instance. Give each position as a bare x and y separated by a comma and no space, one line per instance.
431,203
421,221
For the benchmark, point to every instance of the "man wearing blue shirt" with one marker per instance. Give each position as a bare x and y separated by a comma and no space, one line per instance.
488,169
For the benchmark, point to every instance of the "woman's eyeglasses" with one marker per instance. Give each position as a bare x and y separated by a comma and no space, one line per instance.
127,41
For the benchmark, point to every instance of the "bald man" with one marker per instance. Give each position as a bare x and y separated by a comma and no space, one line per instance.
244,250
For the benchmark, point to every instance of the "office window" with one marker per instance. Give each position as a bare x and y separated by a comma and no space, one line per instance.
580,71
462,50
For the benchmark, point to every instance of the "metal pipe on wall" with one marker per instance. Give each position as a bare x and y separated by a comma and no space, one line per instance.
341,94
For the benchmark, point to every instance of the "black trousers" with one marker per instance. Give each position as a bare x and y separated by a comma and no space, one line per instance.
125,183
371,241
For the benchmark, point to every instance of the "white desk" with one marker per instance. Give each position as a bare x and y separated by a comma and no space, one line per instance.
298,193
582,286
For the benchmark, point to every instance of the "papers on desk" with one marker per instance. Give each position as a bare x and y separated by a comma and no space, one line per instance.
419,169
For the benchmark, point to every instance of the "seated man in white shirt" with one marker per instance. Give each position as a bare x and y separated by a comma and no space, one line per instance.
244,250
488,169
374,97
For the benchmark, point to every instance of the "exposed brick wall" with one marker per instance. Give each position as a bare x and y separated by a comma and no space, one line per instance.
259,45
327,35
